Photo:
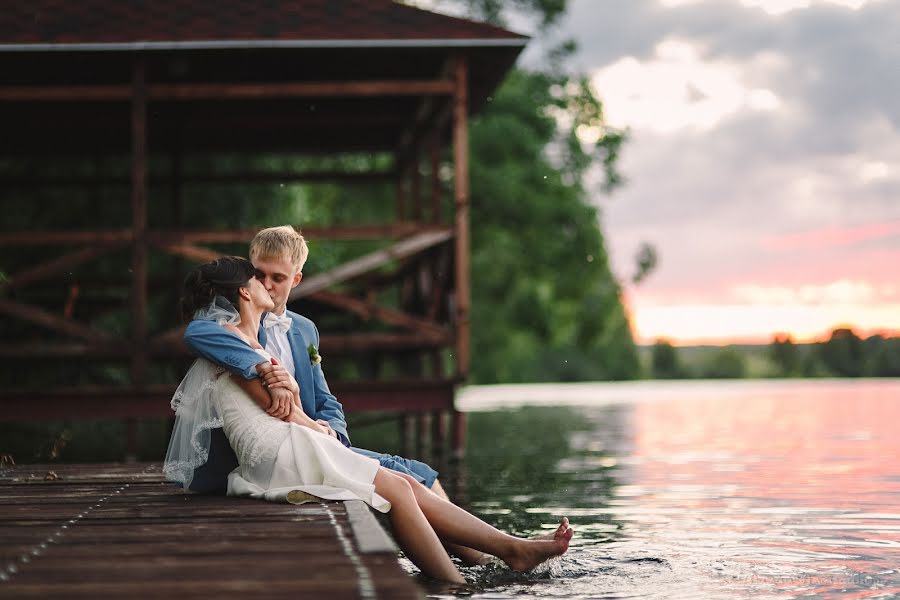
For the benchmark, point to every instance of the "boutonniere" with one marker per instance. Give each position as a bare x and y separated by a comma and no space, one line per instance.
314,357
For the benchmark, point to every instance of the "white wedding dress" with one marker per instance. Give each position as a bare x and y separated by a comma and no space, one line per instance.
278,461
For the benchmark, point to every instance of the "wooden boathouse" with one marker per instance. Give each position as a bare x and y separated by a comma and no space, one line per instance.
126,109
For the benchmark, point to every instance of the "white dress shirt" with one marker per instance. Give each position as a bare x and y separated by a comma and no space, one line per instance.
277,341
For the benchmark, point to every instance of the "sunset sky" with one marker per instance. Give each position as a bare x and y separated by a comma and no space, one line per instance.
763,162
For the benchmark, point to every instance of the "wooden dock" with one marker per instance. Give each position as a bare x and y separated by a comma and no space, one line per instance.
114,530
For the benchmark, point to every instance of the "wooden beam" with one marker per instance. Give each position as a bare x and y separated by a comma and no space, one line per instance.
114,236
139,221
229,91
97,402
195,253
461,211
390,316
46,319
30,350
369,262
364,342
56,265
237,177
54,238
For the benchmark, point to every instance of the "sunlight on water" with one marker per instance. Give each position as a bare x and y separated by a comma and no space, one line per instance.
691,490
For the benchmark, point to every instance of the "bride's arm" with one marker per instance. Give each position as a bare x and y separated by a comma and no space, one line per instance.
259,394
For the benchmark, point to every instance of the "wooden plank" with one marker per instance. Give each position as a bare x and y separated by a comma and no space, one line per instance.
230,91
119,530
370,262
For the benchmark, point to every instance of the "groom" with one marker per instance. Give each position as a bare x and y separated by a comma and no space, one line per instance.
279,253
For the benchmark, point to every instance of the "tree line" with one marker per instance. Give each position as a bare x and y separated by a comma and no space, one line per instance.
843,354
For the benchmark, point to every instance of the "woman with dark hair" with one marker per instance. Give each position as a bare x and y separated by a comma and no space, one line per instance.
291,461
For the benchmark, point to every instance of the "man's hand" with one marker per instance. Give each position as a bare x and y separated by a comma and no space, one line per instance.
274,375
282,403
327,427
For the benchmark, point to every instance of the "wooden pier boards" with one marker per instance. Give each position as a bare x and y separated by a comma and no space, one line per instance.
184,80
121,531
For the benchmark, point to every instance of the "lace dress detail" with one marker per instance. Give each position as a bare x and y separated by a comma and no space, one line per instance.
255,436
195,416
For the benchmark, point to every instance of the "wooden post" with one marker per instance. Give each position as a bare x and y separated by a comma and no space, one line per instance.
401,194
461,212
461,228
416,184
139,229
438,433
435,179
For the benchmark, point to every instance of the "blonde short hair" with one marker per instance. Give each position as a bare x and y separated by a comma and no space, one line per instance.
278,242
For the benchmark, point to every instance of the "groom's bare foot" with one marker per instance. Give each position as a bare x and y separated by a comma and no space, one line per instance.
530,553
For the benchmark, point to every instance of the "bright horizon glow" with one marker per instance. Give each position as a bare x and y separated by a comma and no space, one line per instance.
758,323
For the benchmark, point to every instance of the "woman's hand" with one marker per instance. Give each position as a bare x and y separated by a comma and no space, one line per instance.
282,405
274,375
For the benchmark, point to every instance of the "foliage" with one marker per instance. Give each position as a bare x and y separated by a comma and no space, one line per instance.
664,363
785,355
496,11
545,304
726,363
844,354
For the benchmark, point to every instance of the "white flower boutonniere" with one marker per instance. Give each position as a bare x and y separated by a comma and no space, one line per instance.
314,356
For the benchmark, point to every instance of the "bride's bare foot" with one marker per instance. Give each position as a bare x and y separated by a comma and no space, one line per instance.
528,554
551,535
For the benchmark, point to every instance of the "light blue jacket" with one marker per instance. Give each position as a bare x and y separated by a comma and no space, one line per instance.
218,345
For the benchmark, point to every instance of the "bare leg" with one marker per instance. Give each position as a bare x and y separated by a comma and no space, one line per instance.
456,526
414,533
469,556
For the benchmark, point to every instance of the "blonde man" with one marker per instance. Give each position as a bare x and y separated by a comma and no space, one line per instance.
279,254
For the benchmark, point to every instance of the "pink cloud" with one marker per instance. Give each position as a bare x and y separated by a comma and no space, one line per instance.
832,236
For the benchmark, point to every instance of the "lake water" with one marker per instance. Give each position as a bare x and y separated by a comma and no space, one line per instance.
757,489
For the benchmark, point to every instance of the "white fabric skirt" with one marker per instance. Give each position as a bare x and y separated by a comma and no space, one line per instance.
284,462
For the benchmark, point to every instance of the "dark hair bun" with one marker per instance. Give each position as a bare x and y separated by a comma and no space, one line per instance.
222,277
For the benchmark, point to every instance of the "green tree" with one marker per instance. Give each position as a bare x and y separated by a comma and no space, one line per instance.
785,354
726,363
545,304
882,356
843,353
664,362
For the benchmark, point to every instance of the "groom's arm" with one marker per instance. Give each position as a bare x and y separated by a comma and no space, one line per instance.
216,344
327,406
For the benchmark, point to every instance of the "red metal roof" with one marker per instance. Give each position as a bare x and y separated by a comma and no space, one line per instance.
31,24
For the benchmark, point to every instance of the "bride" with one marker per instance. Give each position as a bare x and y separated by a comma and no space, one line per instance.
291,461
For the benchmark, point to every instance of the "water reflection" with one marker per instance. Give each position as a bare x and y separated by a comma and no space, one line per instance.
772,490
